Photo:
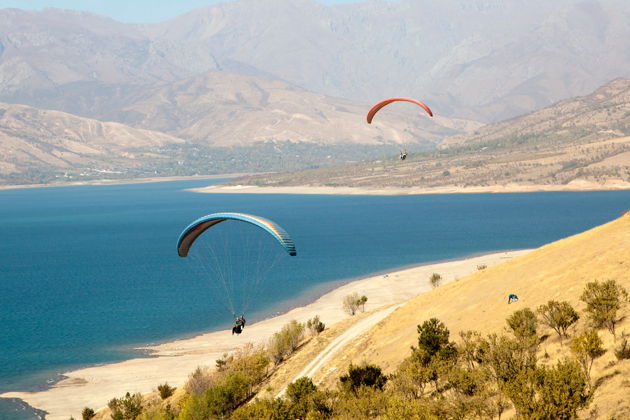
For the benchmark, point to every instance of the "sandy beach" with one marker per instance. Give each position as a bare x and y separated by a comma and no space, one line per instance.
123,181
174,361
576,185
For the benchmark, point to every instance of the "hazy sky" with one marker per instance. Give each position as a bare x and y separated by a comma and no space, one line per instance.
136,11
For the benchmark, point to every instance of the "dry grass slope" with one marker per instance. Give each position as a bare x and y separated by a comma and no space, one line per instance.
557,271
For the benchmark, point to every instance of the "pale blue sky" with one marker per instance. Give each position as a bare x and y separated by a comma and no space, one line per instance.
135,11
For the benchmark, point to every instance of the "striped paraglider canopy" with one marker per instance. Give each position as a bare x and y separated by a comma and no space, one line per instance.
199,226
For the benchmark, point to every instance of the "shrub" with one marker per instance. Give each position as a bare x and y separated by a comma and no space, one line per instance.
603,300
556,392
315,326
558,315
435,280
362,302
300,389
286,341
87,413
350,303
523,323
363,376
433,340
127,408
587,347
481,267
623,350
198,382
165,390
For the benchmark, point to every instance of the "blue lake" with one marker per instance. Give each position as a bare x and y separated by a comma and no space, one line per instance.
89,272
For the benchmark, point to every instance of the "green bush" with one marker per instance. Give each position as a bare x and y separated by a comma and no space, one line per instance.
523,323
126,408
87,413
363,376
558,315
165,390
315,326
286,341
433,341
435,280
622,351
587,347
603,300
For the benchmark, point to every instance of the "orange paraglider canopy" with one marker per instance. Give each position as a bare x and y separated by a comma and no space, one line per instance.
386,102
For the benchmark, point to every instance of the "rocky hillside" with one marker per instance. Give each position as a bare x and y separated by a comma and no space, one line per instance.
605,112
222,109
581,142
207,124
39,145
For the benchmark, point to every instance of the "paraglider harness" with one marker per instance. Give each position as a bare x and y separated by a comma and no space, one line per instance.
239,325
403,155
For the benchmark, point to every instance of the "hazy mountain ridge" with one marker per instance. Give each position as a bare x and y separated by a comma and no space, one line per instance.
603,112
54,141
484,60
207,124
223,109
584,142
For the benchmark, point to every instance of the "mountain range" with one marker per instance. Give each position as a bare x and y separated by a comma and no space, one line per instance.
484,60
277,85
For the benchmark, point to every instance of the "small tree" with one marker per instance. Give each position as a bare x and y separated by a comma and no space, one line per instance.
87,413
523,323
127,408
315,326
623,350
558,315
286,341
300,395
603,300
198,382
587,347
562,390
435,280
433,342
362,302
359,376
351,303
165,390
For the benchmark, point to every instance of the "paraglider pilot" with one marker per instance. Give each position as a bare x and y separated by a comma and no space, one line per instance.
512,298
239,324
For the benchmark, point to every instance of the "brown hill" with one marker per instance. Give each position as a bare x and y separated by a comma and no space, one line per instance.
223,109
603,113
576,144
558,271
56,142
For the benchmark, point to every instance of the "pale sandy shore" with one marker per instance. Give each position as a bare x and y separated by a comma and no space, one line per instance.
122,181
507,188
95,386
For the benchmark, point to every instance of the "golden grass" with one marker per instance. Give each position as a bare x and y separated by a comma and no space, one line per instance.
558,271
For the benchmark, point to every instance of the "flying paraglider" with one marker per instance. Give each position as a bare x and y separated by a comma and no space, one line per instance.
236,257
199,226
386,102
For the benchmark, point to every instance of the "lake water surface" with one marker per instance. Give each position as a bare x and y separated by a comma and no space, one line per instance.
89,272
